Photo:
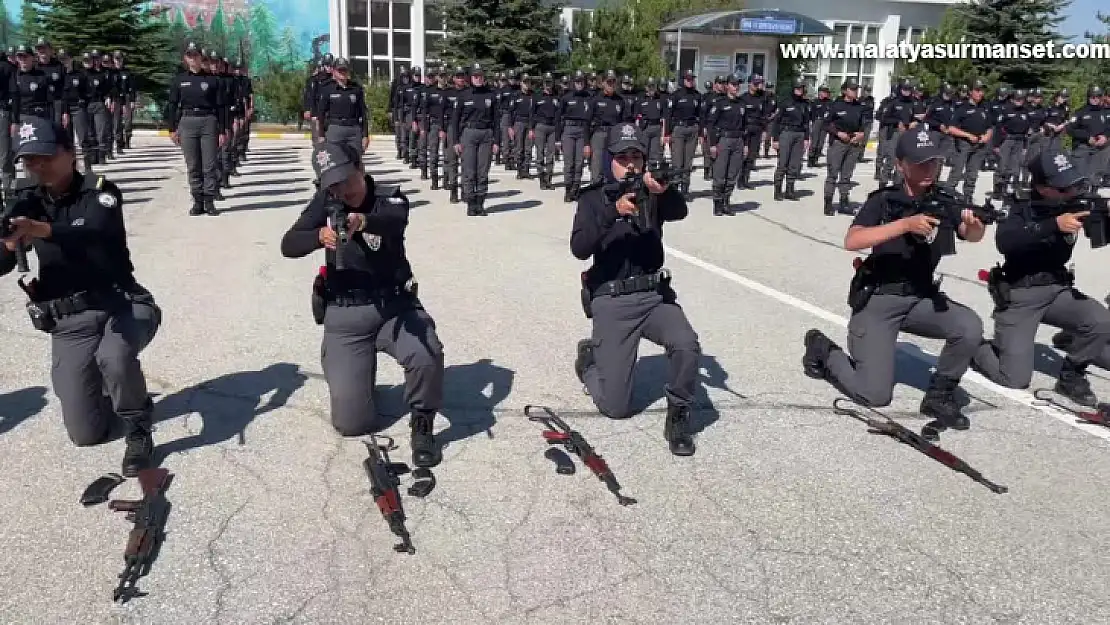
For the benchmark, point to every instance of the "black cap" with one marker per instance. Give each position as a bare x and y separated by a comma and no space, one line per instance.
24,49
190,48
688,75
63,53
735,79
341,63
40,137
917,147
118,54
460,71
825,88
800,83
477,70
626,137
1094,91
42,43
610,75
756,79
851,83
1055,169
333,164
415,71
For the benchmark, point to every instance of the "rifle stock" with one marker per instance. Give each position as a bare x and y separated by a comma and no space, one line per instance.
149,517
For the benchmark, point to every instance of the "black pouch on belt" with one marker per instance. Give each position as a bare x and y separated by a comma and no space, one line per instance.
587,298
42,319
998,289
319,296
862,286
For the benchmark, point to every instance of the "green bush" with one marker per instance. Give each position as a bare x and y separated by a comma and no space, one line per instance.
377,101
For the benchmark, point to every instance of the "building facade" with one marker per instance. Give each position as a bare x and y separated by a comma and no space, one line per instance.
381,36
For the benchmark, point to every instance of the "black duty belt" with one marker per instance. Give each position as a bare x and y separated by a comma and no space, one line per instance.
1043,278
575,122
80,302
687,122
905,289
478,125
637,284
732,134
1014,138
197,112
653,122
33,110
79,105
344,122
366,297
545,122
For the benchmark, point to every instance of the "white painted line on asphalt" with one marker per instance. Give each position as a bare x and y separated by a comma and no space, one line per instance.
1021,397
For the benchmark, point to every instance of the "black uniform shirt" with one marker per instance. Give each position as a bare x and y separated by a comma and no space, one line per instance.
87,248
575,106
685,106
56,75
125,86
32,94
375,257
76,92
725,115
845,116
431,106
651,110
1016,121
477,107
1031,242
621,246
520,107
757,110
898,111
908,258
793,113
100,85
1088,122
608,111
939,113
973,118
545,110
342,105
197,93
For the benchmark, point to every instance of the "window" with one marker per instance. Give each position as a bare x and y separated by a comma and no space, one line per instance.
902,35
433,44
434,18
857,33
402,45
402,16
381,71
379,13
357,16
915,35
357,41
398,66
360,67
379,44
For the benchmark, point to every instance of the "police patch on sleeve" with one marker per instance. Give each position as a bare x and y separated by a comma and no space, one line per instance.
107,200
396,200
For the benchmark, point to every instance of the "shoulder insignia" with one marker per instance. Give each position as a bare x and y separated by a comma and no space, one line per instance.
596,184
396,200
99,182
107,200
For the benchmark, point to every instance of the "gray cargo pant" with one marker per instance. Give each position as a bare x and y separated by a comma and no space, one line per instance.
1094,161
599,140
408,139
884,150
100,125
791,151
726,167
1011,157
573,140
545,149
1037,143
841,165
966,166
653,135
7,155
619,322
1008,358
522,156
476,159
96,353
889,173
507,143
684,140
867,376
200,144
820,133
433,147
451,158
350,136
352,337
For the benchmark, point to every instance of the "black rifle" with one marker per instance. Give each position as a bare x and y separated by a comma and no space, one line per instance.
1096,225
384,484
882,424
149,516
559,433
6,230
947,206
338,214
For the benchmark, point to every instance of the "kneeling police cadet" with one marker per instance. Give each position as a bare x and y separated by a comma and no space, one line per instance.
365,297
626,292
1034,285
85,296
894,290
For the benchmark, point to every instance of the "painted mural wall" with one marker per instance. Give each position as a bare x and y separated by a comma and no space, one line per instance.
273,33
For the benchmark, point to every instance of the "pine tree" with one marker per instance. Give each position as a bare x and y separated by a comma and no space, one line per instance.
502,34
9,33
264,39
289,57
1015,22
218,31
30,21
933,73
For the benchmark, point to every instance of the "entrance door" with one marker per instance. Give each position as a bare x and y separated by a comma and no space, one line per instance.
748,62
687,60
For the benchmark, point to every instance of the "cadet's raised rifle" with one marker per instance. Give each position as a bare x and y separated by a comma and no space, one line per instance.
7,230
338,214
559,433
149,516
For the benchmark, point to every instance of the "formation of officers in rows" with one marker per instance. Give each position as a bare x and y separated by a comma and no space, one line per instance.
209,112
93,102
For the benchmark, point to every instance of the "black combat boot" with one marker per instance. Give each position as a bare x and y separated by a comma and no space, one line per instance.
210,206
726,204
426,452
816,357
829,209
676,430
568,194
520,173
940,403
707,174
423,173
198,206
845,205
480,206
1062,340
219,195
718,207
471,208
791,193
747,178
435,181
138,452
1073,384
778,189
454,199
812,162
88,159
878,171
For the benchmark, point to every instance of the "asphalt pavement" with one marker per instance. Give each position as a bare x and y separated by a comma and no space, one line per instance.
786,514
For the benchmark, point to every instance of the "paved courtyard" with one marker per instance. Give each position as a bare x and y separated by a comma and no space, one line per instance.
786,514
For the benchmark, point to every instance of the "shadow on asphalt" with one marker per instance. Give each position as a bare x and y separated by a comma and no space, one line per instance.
18,406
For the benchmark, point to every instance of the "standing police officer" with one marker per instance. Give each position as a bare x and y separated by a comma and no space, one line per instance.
726,139
86,297
432,110
757,111
543,124
1088,130
476,116
971,126
790,130
868,102
341,112
451,132
100,94
607,111
520,109
818,133
575,113
681,129
1056,120
1034,286
52,68
938,114
366,299
628,291
1015,124
196,116
412,95
75,98
845,121
127,92
651,113
894,291
897,117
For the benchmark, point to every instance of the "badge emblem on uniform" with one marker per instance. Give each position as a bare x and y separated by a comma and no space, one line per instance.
107,200
26,133
323,159
76,82
1061,162
373,241
923,139
96,81
353,97
1071,238
204,86
487,102
932,236
34,86
54,76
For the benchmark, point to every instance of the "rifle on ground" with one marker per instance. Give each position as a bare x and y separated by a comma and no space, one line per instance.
149,516
338,213
882,424
6,230
559,433
384,484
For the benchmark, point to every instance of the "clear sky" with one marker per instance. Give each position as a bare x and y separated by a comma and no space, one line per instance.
1081,17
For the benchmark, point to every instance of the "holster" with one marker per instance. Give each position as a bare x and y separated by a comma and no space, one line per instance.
862,287
41,317
587,298
999,289
319,298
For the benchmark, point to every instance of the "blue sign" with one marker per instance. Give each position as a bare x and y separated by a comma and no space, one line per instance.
768,26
